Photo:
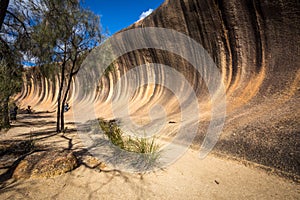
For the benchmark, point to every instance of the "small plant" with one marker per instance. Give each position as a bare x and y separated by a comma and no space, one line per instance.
113,132
149,149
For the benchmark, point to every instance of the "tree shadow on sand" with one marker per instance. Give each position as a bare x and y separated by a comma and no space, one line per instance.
15,151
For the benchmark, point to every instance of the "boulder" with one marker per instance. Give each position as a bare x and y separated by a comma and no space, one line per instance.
45,164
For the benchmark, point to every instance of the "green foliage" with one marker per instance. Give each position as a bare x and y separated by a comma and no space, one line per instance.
10,79
10,84
113,132
150,150
13,37
49,71
65,31
142,145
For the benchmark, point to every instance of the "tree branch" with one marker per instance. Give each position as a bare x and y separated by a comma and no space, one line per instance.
22,23
3,10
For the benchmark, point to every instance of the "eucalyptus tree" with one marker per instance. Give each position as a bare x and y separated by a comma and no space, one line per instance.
14,27
64,35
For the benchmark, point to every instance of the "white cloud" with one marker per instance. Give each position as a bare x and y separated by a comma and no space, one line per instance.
145,14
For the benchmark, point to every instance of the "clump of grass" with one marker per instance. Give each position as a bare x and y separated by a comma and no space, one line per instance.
142,145
149,149
113,132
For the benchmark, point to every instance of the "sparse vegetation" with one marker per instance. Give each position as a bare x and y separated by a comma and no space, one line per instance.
10,84
149,149
113,132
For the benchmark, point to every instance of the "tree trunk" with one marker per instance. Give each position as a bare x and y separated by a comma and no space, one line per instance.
5,113
62,123
59,105
3,9
62,116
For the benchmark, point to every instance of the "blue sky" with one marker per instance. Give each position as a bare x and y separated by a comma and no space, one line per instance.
118,14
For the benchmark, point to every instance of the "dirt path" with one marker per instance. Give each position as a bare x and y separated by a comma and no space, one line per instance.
188,178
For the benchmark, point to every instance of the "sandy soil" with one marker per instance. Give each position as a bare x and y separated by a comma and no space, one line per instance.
188,178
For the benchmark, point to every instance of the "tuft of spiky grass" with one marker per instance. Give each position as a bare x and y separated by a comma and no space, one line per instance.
149,149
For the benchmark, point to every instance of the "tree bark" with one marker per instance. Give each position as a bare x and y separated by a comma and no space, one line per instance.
59,106
62,123
3,9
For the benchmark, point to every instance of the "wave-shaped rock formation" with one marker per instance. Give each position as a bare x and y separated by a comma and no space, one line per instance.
255,44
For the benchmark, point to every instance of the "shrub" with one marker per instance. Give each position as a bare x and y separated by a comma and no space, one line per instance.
148,147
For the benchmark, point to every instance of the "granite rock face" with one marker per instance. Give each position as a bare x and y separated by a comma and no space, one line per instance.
255,44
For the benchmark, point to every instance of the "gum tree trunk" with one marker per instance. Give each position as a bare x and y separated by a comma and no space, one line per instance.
62,123
59,105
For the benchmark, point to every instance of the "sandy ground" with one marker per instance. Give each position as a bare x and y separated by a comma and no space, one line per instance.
188,178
